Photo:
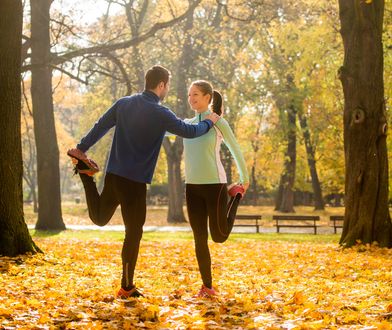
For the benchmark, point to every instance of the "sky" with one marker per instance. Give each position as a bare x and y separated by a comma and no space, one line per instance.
86,11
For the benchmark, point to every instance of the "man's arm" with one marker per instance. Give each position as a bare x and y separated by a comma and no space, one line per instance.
178,127
100,128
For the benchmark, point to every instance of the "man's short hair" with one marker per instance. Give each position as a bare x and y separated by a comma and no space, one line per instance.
155,75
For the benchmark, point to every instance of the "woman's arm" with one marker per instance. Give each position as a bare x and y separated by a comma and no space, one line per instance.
228,136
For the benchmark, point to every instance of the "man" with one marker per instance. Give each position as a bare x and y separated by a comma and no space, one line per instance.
140,123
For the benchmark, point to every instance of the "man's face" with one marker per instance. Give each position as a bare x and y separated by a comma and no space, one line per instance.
164,90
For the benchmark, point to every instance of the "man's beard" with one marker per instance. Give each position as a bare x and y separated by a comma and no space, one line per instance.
162,96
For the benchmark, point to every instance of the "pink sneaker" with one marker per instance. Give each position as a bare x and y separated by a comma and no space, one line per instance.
206,292
236,189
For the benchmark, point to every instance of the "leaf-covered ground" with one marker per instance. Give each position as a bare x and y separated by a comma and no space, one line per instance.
263,284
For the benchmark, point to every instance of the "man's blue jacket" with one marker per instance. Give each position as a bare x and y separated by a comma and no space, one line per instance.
140,123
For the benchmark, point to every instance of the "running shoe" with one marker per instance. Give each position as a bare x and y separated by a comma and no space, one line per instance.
122,293
236,189
83,165
207,292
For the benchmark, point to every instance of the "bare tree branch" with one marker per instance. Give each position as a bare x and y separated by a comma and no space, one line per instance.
251,16
62,24
101,49
123,71
69,74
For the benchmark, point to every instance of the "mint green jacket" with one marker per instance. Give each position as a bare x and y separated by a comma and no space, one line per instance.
202,160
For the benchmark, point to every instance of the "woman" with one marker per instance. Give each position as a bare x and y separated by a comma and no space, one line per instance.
205,178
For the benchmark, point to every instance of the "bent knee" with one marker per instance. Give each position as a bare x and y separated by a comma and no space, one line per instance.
219,239
99,222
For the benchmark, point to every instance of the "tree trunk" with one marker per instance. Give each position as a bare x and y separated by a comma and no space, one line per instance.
255,143
176,188
367,216
136,17
253,181
138,65
35,199
48,172
174,150
14,235
285,197
29,168
318,196
32,184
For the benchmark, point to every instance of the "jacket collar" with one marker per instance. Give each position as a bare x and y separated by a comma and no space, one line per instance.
151,95
204,114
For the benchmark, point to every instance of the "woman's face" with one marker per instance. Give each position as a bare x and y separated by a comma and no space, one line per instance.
197,100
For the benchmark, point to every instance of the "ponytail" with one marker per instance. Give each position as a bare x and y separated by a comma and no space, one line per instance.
217,102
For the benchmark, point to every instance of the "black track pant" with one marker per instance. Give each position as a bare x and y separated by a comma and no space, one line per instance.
131,196
209,201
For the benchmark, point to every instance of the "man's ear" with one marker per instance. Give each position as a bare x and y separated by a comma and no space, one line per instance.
161,85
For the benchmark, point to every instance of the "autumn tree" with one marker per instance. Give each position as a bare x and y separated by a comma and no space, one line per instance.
291,64
322,105
48,171
367,216
14,235
288,114
226,64
174,149
311,157
203,55
42,63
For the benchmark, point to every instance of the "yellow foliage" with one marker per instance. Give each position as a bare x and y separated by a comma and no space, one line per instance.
262,285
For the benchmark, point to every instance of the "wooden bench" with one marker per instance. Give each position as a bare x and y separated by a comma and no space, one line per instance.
304,221
248,217
337,221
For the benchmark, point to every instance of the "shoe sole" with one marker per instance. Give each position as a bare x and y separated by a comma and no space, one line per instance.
87,169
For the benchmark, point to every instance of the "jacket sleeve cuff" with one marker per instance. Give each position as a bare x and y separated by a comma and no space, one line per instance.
209,122
82,147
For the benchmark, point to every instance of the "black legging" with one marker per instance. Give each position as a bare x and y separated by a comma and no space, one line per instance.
131,196
209,201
